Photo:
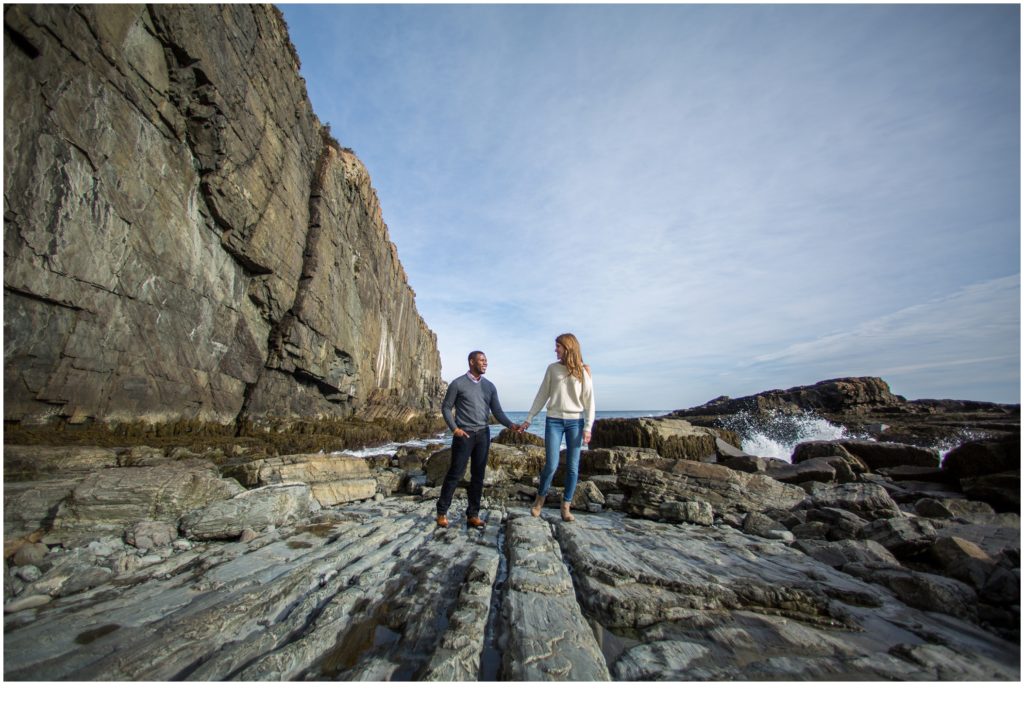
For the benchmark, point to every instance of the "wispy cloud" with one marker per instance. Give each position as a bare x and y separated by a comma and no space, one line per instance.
716,200
974,332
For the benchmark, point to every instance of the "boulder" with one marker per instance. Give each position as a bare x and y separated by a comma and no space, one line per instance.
672,438
928,592
1003,588
414,483
765,527
906,538
333,479
814,469
811,530
964,509
256,509
30,554
151,534
299,468
608,461
111,500
910,491
996,535
510,437
32,506
411,462
26,463
961,559
588,497
606,483
983,457
649,483
828,449
696,512
918,473
745,463
724,450
343,491
877,454
840,524
868,501
388,481
840,553
1001,490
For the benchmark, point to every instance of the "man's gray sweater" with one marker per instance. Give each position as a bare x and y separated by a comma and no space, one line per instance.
474,402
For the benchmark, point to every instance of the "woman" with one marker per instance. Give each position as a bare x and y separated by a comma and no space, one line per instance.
568,392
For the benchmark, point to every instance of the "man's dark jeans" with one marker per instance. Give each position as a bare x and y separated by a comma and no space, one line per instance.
475,447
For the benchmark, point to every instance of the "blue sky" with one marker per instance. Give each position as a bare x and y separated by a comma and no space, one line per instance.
716,199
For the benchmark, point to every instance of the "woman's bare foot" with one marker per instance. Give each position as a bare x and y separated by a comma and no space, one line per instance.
538,504
566,516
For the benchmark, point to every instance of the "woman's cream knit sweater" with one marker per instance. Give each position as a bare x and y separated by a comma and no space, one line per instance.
565,396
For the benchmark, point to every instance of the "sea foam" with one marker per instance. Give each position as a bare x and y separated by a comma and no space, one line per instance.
775,434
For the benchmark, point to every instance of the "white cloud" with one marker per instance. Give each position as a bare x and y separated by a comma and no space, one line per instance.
689,188
973,333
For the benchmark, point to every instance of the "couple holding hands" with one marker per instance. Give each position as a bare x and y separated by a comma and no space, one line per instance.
568,392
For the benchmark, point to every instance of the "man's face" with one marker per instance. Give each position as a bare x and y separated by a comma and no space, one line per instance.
478,365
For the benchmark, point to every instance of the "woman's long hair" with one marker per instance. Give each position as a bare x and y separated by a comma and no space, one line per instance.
572,358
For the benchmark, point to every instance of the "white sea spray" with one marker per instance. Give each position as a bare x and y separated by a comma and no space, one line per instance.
392,448
775,434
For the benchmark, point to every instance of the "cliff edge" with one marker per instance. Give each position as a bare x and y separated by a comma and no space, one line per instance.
183,239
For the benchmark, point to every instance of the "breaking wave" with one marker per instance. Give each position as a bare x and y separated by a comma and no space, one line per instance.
391,448
776,434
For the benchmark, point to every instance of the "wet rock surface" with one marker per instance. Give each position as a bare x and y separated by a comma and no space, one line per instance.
375,591
844,566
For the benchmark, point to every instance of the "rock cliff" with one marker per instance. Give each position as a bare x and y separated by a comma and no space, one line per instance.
865,406
183,239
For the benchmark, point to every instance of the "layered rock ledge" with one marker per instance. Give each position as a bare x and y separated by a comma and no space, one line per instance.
132,565
184,241
375,591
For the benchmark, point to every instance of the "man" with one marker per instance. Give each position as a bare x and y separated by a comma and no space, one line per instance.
474,399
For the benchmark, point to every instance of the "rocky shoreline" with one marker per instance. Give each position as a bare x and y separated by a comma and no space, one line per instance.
857,560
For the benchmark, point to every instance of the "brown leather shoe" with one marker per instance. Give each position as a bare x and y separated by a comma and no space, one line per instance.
474,522
442,521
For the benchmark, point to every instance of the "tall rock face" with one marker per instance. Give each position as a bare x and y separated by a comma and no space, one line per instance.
183,239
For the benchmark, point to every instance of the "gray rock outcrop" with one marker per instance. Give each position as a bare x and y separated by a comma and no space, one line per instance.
257,509
374,591
183,240
649,483
333,479
111,500
670,437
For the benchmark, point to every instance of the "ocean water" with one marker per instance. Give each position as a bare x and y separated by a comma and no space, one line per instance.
768,436
536,427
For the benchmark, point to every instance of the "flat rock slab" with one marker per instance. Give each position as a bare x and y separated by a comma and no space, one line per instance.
684,602
365,592
548,636
115,498
649,483
376,591
300,468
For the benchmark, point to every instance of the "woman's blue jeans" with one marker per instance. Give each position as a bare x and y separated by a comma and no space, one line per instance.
554,429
